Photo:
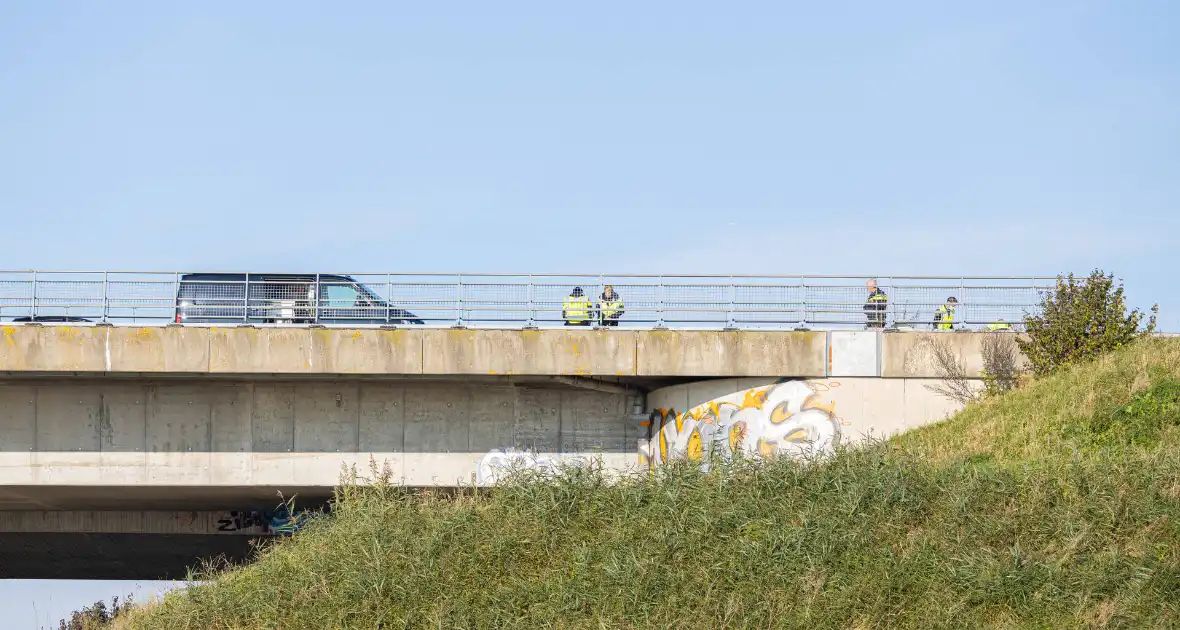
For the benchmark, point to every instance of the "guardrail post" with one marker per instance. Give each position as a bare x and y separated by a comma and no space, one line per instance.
532,323
963,302
804,307
246,301
106,296
459,302
595,314
660,307
730,320
33,306
315,300
802,303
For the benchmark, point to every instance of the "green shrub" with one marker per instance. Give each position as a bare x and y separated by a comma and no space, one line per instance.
97,616
1082,319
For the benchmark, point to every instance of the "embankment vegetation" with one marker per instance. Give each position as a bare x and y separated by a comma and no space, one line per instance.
1053,506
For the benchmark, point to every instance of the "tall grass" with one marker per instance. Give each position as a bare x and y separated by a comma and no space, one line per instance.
1022,512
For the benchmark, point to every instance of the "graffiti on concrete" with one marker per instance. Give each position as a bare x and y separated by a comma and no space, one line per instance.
789,418
242,521
499,463
279,521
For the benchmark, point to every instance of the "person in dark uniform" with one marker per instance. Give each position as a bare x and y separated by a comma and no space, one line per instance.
875,306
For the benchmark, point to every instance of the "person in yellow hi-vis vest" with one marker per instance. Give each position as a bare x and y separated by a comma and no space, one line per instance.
609,308
944,317
575,310
999,326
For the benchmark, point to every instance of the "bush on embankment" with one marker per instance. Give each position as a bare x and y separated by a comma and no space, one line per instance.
1057,506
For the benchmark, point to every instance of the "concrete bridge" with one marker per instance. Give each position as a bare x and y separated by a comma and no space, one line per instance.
134,450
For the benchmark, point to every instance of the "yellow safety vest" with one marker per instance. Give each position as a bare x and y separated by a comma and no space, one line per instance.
577,309
875,309
610,308
945,317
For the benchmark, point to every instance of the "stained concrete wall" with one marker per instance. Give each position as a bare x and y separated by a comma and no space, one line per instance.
909,354
134,434
214,350
310,351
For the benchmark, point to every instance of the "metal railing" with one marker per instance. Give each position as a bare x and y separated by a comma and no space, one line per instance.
506,300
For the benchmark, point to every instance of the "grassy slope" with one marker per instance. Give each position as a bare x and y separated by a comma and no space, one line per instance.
1017,513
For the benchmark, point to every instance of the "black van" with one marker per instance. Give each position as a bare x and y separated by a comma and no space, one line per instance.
228,298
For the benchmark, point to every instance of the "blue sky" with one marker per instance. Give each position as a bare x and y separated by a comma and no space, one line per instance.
915,137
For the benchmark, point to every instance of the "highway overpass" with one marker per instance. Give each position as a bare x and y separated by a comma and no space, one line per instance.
127,439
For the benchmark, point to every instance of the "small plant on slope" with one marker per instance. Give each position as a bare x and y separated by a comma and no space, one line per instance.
1001,367
1001,363
97,616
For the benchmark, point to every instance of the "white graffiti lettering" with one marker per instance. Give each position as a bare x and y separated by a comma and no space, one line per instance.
788,418
499,463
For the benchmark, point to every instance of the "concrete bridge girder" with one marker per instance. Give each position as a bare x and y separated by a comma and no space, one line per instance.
123,437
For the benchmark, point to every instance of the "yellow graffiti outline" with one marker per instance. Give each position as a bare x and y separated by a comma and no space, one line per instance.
663,448
779,414
798,435
694,451
664,413
755,398
766,447
737,435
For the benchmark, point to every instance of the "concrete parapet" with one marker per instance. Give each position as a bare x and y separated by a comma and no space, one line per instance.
52,349
220,350
561,352
567,352
313,351
907,355
738,353
183,350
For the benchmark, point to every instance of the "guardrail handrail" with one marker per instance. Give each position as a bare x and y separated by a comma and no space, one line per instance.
496,299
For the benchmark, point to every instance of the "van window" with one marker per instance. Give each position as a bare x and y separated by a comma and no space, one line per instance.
340,295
